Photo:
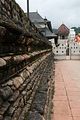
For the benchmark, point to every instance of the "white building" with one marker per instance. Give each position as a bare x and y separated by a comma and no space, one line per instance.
67,48
72,34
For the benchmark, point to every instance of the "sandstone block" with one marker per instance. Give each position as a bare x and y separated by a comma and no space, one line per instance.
24,74
17,82
2,62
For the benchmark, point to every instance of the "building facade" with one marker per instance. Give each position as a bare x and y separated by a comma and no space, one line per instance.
68,48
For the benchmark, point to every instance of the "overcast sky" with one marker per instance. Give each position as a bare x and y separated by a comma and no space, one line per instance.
57,11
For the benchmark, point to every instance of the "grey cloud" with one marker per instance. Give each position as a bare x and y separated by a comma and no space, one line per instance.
58,11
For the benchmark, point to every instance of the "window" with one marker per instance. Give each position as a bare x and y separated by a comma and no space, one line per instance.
56,51
62,45
62,51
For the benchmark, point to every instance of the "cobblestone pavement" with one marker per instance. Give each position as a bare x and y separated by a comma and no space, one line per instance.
66,99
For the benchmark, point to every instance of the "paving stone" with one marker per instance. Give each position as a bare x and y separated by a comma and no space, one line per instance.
66,77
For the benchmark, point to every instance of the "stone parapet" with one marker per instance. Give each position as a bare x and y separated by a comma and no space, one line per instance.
12,65
17,94
25,64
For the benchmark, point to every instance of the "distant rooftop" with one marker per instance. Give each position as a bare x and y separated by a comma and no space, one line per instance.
46,29
63,29
35,17
48,33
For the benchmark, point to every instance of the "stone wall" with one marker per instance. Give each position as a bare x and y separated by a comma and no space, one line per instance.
17,93
17,32
26,64
42,104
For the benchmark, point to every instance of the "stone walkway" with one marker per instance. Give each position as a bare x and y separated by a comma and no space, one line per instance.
66,99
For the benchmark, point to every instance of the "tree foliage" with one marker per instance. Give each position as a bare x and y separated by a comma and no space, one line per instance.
77,30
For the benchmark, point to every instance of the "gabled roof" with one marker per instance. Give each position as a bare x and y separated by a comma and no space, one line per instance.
63,30
40,24
35,17
48,33
49,25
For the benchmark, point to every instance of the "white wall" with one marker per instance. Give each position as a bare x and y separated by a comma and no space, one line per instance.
60,51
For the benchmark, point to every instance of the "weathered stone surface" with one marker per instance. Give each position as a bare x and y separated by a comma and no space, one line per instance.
7,118
24,93
16,103
35,116
7,59
1,101
1,117
11,111
24,74
28,73
4,108
16,114
21,80
2,62
18,58
17,90
13,87
22,102
41,98
39,104
30,69
17,82
6,92
2,31
14,96
10,83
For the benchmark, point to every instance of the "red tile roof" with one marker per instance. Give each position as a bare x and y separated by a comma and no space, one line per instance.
63,30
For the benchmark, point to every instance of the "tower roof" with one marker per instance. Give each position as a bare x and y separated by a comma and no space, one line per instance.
63,30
